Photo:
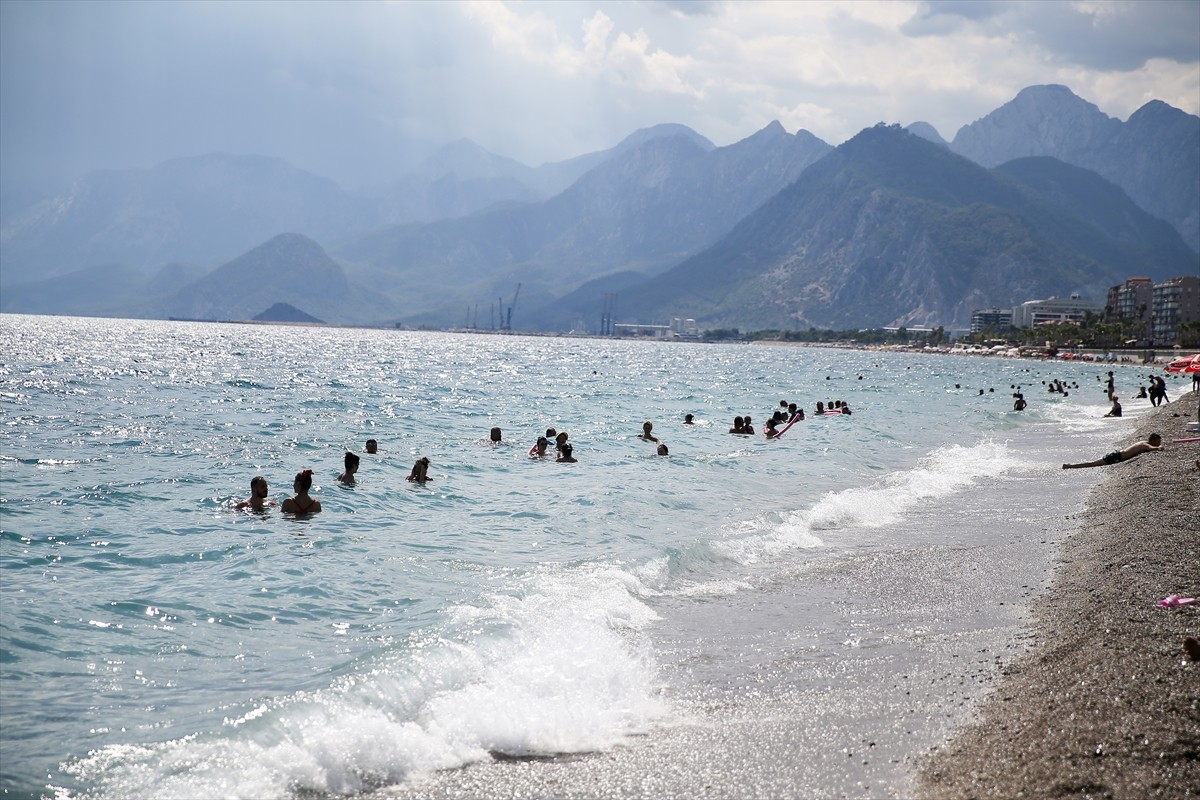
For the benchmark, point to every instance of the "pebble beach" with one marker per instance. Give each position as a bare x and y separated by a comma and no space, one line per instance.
1106,704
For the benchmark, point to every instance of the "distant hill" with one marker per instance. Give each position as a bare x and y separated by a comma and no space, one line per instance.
643,210
892,229
289,269
905,235
285,312
1154,157
462,178
198,209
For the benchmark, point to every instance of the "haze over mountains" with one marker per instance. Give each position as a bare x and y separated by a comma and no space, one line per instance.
1046,195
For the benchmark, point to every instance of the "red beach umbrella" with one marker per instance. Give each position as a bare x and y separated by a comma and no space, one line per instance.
1185,366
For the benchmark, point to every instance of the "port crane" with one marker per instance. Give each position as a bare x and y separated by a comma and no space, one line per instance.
506,319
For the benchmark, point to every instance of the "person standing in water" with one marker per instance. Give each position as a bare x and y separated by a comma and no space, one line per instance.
302,503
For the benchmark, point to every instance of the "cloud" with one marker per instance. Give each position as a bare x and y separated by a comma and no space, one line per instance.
357,91
627,58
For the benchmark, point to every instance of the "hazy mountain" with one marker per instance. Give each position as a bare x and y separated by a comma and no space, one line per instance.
285,312
463,178
1154,157
927,131
107,290
644,209
890,228
289,269
191,209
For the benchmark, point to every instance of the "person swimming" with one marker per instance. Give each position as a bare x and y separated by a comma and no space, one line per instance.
646,434
420,471
662,450
351,462
565,454
257,501
739,425
301,503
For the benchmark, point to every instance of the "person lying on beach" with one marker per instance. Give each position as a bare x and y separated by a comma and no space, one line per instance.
257,501
565,454
351,462
646,434
1152,443
302,503
420,471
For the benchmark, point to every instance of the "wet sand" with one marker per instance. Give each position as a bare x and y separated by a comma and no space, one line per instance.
1059,678
1107,705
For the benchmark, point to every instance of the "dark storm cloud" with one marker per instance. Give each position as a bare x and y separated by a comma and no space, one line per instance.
1118,36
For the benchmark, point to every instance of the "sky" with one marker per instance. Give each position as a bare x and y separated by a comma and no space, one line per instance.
356,91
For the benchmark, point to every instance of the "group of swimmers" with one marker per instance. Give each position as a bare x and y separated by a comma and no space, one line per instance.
301,503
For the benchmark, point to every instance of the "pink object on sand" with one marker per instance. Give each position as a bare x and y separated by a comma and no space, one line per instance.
1172,600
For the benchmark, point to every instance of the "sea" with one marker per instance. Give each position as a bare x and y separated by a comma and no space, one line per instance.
158,642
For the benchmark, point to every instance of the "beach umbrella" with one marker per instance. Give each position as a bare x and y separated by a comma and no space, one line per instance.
1185,366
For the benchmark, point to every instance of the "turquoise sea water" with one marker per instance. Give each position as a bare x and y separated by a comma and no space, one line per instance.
157,642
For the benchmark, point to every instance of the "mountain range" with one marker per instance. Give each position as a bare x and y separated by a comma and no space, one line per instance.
1044,196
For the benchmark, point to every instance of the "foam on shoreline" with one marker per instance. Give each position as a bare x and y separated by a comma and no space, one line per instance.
1106,704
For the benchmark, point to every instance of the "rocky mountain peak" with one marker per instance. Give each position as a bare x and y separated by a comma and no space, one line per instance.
1048,120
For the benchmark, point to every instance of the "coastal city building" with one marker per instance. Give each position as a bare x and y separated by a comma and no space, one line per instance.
1174,307
991,319
638,329
1032,313
685,328
1130,302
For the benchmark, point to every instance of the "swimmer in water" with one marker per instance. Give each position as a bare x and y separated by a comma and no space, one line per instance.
372,446
302,503
257,501
351,462
646,434
539,449
420,471
565,454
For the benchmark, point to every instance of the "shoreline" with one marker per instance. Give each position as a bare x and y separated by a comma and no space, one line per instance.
870,719
1106,703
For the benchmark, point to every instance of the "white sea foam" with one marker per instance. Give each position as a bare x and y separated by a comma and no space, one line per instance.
885,502
557,668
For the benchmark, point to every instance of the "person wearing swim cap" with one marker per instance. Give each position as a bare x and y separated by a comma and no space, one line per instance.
302,504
